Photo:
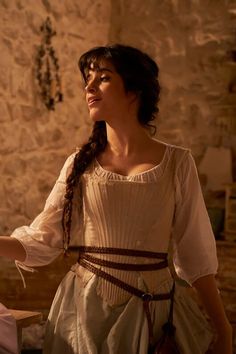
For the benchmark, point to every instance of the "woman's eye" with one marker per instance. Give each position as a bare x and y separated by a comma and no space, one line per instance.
87,78
104,78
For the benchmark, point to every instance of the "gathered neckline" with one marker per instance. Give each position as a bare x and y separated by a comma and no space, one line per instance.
136,175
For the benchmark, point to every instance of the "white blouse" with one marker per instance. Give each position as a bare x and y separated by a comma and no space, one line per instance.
144,211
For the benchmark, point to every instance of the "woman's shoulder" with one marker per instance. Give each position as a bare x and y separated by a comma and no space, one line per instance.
179,152
175,158
67,167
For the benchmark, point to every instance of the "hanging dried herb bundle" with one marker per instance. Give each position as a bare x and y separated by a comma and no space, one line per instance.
47,68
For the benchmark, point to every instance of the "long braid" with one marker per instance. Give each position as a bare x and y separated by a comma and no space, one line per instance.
95,145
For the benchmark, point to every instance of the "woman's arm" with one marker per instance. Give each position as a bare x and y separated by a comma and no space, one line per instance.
209,295
41,242
195,254
11,248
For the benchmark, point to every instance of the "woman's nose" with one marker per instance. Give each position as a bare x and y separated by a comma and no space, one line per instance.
91,86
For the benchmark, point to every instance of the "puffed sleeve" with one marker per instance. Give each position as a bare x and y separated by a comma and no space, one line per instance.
194,247
42,240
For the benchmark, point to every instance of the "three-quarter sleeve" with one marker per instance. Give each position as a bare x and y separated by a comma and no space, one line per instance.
42,240
194,247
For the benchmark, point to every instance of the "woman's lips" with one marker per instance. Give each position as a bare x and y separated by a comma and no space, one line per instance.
93,101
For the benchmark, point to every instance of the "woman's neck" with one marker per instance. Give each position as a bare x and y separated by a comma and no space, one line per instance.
125,141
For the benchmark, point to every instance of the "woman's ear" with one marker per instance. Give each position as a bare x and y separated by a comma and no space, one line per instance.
134,96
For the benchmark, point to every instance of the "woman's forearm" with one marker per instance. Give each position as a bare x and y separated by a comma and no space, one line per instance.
11,248
209,295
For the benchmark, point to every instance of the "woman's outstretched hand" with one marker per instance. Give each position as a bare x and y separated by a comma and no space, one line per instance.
209,295
223,342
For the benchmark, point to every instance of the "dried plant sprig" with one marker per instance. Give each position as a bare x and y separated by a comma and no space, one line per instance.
47,68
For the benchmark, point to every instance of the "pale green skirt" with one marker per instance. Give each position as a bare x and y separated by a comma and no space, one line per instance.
80,322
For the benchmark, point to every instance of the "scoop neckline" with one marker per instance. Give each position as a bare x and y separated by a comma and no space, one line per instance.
152,169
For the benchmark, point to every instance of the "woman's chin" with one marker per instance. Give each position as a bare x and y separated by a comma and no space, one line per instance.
95,118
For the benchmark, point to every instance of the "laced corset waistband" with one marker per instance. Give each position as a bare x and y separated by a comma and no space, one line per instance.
124,274
90,263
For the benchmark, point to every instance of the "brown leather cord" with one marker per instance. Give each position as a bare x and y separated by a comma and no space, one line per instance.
170,318
129,288
124,266
85,261
122,252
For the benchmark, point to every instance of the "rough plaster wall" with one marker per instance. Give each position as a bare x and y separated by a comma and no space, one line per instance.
190,39
34,141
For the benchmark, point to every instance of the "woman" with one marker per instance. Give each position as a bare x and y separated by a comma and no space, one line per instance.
123,191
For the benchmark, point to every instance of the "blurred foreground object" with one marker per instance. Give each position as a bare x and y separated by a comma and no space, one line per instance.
8,332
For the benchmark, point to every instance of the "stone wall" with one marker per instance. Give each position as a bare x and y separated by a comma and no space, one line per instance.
191,41
34,141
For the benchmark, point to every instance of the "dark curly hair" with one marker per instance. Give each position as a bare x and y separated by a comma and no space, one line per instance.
140,75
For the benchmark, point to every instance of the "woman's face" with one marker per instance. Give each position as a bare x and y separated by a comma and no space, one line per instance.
105,92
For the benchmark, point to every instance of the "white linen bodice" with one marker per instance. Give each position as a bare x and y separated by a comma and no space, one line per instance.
143,211
133,212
